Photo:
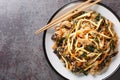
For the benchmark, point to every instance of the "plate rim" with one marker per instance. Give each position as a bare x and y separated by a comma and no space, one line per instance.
44,37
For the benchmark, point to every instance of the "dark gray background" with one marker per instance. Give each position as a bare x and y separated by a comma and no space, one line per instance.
21,52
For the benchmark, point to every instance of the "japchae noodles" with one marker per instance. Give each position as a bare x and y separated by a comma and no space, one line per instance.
86,42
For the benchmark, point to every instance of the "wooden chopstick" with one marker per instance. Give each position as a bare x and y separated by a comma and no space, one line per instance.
69,12
67,15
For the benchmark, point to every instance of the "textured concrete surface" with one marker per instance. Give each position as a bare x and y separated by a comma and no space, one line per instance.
21,52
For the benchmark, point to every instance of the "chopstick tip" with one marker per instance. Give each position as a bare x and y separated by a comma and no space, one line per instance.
36,33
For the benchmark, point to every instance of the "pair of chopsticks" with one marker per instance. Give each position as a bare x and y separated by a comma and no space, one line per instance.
69,14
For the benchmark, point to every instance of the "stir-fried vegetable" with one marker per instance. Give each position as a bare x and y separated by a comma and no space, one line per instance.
85,42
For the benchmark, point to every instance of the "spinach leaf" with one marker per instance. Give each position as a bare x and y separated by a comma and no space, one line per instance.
98,17
90,48
60,41
57,53
84,54
80,70
80,13
96,39
112,46
113,54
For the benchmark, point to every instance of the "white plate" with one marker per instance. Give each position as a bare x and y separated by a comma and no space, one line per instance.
59,66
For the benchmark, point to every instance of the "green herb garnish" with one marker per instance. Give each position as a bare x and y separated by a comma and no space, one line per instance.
90,48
